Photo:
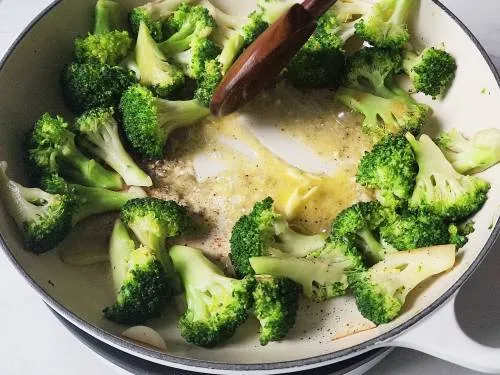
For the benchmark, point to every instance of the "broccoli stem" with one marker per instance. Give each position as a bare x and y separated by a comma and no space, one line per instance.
107,16
372,247
178,114
88,172
297,244
400,14
232,48
120,247
410,58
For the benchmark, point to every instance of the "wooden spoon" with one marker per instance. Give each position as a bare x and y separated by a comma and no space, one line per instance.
265,58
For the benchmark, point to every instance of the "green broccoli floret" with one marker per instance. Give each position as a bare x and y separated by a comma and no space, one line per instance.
216,304
189,23
390,168
107,45
408,231
347,10
275,306
99,136
470,156
383,116
208,82
89,201
360,225
265,232
322,274
439,188
164,78
153,221
154,15
431,72
320,62
194,59
52,150
381,290
459,233
87,86
385,24
44,219
148,121
140,282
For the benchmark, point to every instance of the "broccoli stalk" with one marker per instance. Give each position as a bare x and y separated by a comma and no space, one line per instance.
140,282
439,188
148,121
265,232
107,45
470,156
44,219
381,291
431,72
347,10
52,150
385,24
275,306
100,138
216,304
164,79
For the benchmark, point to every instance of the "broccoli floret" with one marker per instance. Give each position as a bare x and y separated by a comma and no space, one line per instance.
431,72
153,14
107,45
100,138
385,24
265,232
390,168
360,225
347,10
87,86
410,231
439,188
140,282
381,290
383,116
275,306
148,121
52,150
153,221
208,82
164,78
194,59
470,156
216,304
44,219
89,201
189,23
459,233
320,62
322,274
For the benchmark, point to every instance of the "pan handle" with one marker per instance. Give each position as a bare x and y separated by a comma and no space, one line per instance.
441,336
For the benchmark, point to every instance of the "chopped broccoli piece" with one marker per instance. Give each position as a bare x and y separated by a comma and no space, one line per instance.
153,221
216,304
381,291
100,138
52,150
383,116
265,232
87,86
44,219
208,82
89,201
320,62
164,78
275,306
360,225
148,121
385,24
189,23
107,45
431,72
459,233
470,156
322,274
391,169
141,286
348,10
194,59
439,188
154,15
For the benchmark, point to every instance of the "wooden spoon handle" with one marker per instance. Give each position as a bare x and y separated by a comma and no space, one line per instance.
317,7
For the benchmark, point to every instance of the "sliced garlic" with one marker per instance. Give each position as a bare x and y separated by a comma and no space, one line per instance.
145,335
